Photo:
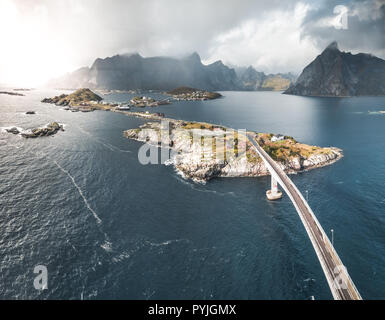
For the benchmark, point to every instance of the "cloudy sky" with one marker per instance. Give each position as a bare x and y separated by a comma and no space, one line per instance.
41,39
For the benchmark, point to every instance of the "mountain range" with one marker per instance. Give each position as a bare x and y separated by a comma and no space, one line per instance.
254,80
126,72
338,73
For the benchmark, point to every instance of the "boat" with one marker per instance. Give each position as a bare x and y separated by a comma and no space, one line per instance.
123,107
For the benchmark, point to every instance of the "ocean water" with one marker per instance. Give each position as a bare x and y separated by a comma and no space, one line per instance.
107,227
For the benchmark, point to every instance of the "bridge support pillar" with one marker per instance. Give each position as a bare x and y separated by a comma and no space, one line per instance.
274,193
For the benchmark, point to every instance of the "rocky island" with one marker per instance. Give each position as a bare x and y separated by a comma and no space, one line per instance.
192,94
12,93
81,100
202,151
49,130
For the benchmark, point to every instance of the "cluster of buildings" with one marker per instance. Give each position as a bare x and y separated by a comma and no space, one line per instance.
142,102
193,96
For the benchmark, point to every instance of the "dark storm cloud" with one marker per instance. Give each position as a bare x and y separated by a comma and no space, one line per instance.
365,29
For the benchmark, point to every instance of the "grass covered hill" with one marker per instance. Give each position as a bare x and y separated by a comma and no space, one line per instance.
79,96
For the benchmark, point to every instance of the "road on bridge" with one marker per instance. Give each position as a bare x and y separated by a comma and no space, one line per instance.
339,281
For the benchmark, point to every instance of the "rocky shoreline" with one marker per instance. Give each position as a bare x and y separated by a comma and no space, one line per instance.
202,162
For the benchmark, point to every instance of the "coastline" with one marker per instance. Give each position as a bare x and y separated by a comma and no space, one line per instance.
292,156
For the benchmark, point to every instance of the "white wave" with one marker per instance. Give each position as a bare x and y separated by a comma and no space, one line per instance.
231,193
79,190
181,177
123,256
180,174
169,162
4,129
107,245
73,247
195,184
166,243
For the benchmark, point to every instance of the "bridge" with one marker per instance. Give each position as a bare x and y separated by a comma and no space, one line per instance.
337,276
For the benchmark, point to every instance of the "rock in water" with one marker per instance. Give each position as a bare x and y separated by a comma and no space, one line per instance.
13,130
49,130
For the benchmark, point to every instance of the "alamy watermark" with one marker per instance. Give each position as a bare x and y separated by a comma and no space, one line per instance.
203,142
41,280
340,21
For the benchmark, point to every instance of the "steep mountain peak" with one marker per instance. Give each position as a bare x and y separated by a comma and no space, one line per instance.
194,57
217,63
336,73
332,46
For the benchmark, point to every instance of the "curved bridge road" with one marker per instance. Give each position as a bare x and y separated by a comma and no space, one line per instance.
340,283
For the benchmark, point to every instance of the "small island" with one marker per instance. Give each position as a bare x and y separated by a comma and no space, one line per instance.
49,130
195,144
192,94
12,93
81,100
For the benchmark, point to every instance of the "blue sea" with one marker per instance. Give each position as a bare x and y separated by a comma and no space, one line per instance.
107,227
